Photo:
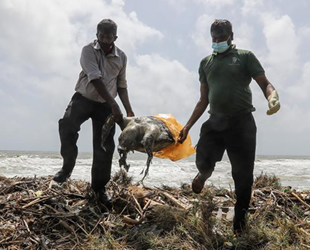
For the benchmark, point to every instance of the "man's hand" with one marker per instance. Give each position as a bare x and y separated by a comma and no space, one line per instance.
104,93
183,134
273,103
130,114
117,113
123,95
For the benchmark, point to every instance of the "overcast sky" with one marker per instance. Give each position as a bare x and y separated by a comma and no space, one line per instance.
41,42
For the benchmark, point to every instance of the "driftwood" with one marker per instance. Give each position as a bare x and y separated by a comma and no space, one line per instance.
36,213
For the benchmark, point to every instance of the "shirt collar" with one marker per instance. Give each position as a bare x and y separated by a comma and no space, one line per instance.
114,51
232,49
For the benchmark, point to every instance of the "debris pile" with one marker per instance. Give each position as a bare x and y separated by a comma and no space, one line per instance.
37,213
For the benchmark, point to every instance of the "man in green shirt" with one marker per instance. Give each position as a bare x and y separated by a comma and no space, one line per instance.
225,76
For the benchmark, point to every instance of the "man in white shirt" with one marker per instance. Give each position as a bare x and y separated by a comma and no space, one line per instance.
102,78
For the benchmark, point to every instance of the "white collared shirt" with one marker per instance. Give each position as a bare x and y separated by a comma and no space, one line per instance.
96,65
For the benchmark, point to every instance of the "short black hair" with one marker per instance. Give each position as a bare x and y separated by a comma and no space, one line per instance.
108,26
221,25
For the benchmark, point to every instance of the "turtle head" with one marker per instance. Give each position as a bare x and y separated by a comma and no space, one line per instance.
128,139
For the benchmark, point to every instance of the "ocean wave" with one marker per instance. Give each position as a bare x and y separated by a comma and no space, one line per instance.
291,171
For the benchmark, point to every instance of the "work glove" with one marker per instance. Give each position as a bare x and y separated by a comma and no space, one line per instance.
273,103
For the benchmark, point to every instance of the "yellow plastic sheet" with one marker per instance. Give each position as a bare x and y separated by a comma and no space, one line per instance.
175,151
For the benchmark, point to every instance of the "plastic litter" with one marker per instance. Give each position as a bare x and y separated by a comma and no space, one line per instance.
175,151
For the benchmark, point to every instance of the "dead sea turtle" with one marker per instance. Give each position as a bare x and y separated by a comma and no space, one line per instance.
144,134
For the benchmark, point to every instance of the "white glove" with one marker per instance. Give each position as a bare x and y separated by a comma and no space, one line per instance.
273,103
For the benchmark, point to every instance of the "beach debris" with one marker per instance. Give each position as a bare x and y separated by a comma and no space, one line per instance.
36,214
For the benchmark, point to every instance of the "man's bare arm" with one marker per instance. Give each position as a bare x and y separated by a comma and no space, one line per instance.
265,85
123,95
104,93
200,108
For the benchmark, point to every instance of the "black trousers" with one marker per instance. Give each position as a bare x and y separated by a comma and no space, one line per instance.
78,111
236,135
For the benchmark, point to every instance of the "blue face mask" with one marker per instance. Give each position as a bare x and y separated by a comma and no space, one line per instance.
220,47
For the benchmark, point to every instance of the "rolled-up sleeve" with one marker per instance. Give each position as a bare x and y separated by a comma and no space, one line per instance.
121,79
89,64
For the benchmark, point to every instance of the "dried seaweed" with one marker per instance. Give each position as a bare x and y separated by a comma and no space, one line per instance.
36,213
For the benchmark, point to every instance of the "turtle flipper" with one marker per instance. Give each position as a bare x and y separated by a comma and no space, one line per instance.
122,161
148,146
106,128
148,163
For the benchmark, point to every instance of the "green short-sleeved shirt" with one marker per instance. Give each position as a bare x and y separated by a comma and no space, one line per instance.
228,77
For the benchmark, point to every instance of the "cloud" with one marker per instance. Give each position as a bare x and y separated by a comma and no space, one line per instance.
282,42
56,30
216,3
133,32
251,6
183,5
159,85
300,91
244,36
38,33
179,5
40,46
201,35
284,133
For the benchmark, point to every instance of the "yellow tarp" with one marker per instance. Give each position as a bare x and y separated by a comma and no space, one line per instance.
175,151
